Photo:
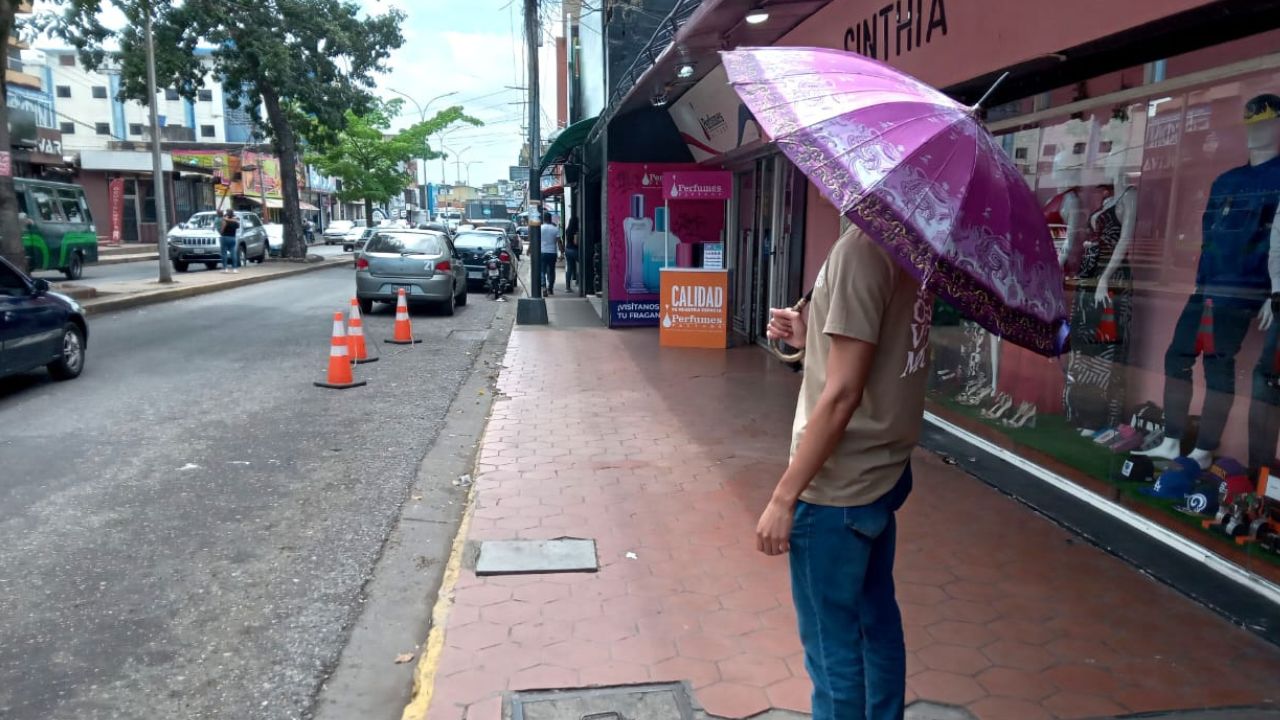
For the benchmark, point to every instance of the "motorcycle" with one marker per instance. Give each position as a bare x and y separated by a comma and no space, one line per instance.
497,269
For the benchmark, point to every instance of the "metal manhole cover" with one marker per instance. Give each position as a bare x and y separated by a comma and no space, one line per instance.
668,701
524,557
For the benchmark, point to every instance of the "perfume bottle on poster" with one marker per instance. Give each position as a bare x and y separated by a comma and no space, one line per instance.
636,231
659,251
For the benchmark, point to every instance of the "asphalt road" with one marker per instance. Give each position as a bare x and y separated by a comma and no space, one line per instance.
185,530
147,270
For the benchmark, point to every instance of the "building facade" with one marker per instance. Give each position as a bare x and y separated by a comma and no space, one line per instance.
1150,132
91,116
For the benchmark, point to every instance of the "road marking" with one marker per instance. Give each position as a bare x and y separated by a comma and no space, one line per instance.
424,675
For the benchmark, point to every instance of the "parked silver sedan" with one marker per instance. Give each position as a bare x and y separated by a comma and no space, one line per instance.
424,263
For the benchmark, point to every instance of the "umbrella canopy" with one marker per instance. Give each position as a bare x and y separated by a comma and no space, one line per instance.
919,174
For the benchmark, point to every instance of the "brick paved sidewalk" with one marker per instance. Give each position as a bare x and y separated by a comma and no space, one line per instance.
669,455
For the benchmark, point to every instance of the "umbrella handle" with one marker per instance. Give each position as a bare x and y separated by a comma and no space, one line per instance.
775,346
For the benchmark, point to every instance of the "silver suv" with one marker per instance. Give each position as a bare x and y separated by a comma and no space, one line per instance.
197,241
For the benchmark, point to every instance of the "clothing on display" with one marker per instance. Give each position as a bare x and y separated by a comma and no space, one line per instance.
1232,283
1230,325
1264,410
1094,395
1236,228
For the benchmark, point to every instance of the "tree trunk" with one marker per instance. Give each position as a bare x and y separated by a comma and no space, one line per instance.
10,231
286,146
368,212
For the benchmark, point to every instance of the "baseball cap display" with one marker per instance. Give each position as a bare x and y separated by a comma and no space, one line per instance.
1233,478
1128,439
1262,107
1136,468
1176,482
1203,498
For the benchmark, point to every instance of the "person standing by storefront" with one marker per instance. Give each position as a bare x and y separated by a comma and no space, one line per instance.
550,252
858,419
571,254
227,236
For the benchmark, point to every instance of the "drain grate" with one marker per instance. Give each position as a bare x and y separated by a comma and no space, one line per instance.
666,701
526,557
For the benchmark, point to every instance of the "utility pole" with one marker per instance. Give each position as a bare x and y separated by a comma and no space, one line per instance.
533,310
157,164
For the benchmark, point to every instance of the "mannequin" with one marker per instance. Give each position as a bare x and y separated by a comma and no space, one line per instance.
1094,393
1239,266
1069,211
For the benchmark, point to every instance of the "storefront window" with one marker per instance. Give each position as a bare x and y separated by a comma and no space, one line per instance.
1162,212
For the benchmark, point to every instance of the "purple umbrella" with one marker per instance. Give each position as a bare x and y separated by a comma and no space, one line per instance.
917,172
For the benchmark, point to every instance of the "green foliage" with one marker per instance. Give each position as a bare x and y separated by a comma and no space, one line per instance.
370,160
318,55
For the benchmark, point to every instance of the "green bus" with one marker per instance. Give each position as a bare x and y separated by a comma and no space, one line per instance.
58,232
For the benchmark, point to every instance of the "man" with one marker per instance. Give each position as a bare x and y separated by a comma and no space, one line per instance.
857,420
550,252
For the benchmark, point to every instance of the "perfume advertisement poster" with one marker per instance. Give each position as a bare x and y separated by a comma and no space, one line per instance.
643,238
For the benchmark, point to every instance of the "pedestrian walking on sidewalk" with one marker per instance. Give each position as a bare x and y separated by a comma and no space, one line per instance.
227,237
550,252
858,419
571,254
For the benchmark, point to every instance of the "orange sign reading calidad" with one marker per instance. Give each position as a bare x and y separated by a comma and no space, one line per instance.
695,308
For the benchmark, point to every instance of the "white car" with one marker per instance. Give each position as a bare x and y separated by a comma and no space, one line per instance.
275,239
337,231
357,237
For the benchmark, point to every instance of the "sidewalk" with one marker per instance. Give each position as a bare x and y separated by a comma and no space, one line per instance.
123,294
670,455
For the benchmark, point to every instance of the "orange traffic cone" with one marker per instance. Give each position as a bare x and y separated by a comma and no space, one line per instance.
404,331
340,376
357,351
1204,338
1107,330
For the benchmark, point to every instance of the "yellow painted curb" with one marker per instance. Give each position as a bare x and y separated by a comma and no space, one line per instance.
424,675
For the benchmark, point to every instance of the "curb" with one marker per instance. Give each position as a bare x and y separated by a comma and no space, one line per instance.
108,303
122,259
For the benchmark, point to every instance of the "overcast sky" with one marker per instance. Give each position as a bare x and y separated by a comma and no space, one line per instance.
476,49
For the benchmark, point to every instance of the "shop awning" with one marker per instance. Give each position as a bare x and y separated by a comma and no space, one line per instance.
278,204
693,34
565,141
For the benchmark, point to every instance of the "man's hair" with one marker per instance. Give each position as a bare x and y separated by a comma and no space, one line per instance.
546,217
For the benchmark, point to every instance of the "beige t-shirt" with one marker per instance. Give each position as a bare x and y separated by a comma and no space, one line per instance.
861,293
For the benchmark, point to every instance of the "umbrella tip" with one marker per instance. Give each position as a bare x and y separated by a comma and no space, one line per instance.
978,105
1062,339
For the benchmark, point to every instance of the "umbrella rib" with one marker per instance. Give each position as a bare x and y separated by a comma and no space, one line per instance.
932,180
910,88
851,149
906,100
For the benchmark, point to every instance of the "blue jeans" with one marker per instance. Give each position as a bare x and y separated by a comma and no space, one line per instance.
548,271
842,584
230,253
571,266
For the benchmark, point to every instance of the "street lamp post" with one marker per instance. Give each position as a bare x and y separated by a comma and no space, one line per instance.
468,165
157,161
422,116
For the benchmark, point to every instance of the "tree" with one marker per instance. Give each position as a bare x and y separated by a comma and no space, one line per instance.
289,58
371,162
10,232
